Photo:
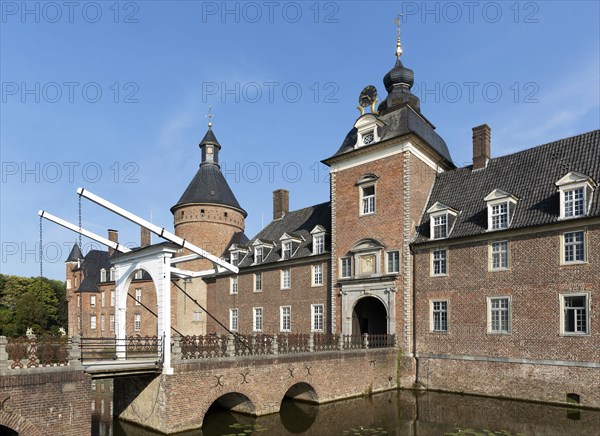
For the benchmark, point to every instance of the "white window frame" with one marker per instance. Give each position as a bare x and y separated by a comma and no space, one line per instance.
498,198
368,202
286,278
68,284
503,217
490,315
342,259
112,298
434,260
92,301
111,318
102,322
257,319
492,252
103,298
287,250
435,310
570,203
258,250
112,274
138,296
442,225
258,282
564,244
93,322
563,308
234,317
317,275
102,275
197,316
138,275
137,322
233,285
234,258
285,319
389,256
319,244
568,184
317,317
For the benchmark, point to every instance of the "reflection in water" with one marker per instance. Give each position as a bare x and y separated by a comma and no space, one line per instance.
389,413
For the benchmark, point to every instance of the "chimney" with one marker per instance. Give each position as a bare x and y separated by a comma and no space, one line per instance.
481,146
144,237
113,235
281,203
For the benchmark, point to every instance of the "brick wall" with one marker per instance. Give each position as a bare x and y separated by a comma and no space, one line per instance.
55,401
300,296
534,283
172,402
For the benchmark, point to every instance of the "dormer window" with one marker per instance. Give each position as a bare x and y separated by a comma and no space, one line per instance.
501,206
112,274
258,255
318,234
235,256
102,275
138,274
286,250
366,127
576,192
262,249
442,220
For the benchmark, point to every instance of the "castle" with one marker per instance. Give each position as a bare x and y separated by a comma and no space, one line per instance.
488,275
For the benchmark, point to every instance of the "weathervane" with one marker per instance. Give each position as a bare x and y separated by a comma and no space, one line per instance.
398,44
210,116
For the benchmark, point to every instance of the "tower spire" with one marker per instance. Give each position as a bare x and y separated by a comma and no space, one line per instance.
398,43
210,116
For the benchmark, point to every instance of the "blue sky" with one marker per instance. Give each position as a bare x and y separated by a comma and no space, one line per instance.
112,96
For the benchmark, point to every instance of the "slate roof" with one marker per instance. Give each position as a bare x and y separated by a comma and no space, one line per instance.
530,175
401,121
91,265
209,186
299,223
74,254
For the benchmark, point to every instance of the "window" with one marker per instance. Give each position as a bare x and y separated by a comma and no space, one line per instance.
393,262
103,298
197,316
257,319
286,249
233,289
317,318
499,255
137,322
499,216
138,297
93,322
92,301
368,200
439,265
346,269
574,319
576,191
439,316
102,275
102,322
440,226
499,315
235,258
285,318
574,247
138,274
233,320
79,301
112,322
574,203
258,282
68,283
317,275
112,274
258,255
285,278
79,323
112,298
319,244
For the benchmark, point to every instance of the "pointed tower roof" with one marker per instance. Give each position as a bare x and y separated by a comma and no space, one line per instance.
75,254
209,185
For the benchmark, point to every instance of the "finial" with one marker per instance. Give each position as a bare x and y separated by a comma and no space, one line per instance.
398,44
209,115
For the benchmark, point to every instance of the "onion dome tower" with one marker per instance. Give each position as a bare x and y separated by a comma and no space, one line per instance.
208,214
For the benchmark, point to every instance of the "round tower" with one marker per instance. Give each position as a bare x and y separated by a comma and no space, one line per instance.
208,214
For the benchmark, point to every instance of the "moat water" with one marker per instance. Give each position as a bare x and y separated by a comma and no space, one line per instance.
387,413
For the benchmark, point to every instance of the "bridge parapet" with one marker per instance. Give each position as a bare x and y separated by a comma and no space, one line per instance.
218,346
33,352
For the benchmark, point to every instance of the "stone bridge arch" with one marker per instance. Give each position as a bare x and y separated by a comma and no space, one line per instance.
12,423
